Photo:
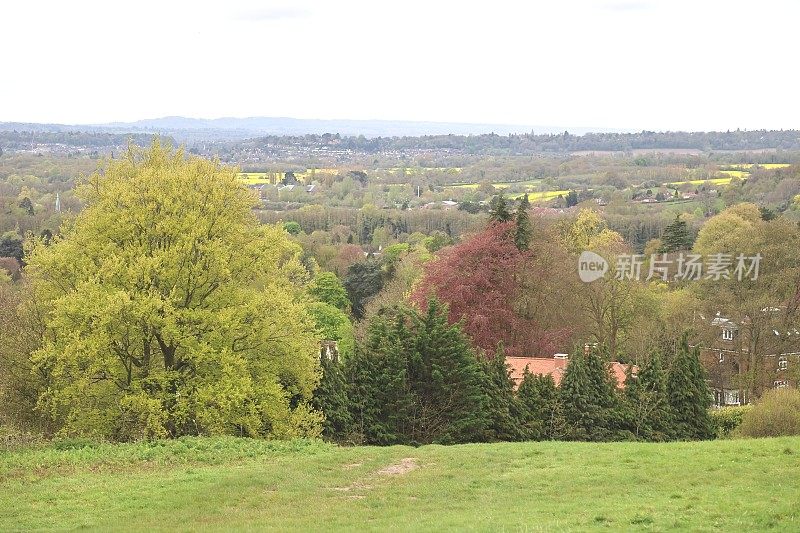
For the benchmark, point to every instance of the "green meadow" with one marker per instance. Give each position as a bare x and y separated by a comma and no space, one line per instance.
229,484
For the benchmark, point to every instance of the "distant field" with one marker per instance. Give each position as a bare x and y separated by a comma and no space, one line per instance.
540,196
257,178
226,484
769,166
498,185
714,181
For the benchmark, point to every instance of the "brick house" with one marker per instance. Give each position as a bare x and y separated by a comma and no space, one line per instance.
744,359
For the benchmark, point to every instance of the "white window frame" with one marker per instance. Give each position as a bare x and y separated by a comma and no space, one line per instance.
727,334
783,363
780,384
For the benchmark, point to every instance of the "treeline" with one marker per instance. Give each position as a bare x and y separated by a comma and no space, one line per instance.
531,143
364,222
416,380
25,139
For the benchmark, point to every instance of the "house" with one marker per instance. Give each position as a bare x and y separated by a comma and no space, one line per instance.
555,366
742,359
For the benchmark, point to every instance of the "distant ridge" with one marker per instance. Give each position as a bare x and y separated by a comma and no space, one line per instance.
239,128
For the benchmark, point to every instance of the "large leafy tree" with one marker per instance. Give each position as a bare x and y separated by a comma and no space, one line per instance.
170,311
482,281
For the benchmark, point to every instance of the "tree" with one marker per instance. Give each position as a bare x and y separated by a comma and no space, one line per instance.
417,381
480,279
498,209
676,237
327,288
543,415
572,198
646,399
363,281
333,324
522,232
505,411
292,227
27,206
11,246
588,394
330,398
689,395
171,311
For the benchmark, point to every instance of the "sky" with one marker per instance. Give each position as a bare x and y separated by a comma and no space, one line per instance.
628,64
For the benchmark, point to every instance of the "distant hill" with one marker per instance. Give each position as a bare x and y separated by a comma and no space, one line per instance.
241,128
295,126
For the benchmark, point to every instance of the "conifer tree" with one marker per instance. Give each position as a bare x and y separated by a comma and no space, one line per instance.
330,397
522,231
646,400
589,397
676,237
416,381
498,209
543,413
689,395
505,411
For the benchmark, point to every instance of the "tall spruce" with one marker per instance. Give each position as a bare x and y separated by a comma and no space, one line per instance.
416,381
522,231
646,400
505,411
541,405
677,237
689,395
498,209
589,398
330,397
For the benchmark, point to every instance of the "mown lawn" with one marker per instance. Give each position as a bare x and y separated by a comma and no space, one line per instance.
230,484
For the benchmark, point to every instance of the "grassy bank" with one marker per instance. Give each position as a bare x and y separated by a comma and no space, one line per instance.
223,484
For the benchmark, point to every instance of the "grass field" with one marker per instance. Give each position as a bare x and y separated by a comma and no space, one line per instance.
229,484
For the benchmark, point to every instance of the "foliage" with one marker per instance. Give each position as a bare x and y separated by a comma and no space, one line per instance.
333,324
170,311
505,410
689,395
522,231
11,245
330,398
726,420
646,400
363,281
327,288
588,394
498,209
480,280
776,414
416,380
676,237
542,407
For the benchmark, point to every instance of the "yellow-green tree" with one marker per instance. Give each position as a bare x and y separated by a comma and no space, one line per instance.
170,311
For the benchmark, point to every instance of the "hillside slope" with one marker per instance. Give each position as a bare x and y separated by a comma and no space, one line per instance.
224,484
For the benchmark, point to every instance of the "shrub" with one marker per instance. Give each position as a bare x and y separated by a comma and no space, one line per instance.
776,414
727,419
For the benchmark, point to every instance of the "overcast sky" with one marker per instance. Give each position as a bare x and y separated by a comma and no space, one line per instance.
642,64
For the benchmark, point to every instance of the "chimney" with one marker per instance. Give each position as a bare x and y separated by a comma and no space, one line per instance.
561,356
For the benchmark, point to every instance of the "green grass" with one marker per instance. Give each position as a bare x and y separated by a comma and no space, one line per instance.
228,484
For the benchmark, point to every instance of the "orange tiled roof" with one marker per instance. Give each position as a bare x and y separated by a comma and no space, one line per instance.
554,367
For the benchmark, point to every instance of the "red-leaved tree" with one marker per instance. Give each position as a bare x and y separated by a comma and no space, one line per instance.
481,281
